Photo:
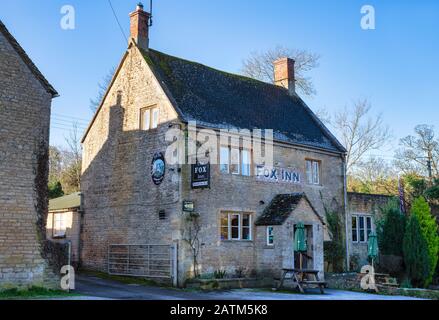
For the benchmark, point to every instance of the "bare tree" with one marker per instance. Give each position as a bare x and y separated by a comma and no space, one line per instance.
72,162
259,65
419,153
103,86
191,233
360,133
55,164
374,175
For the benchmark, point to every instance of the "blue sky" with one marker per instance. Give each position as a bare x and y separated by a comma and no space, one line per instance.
395,66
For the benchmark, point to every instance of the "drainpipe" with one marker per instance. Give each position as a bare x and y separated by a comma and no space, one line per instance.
345,190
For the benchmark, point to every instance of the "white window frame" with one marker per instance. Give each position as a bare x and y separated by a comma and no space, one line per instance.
59,231
237,165
365,217
246,167
240,226
240,166
222,160
153,119
313,172
268,235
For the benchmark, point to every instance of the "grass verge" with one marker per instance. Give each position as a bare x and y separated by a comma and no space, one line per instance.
33,293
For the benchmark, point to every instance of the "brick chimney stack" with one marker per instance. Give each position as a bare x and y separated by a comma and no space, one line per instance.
284,74
139,27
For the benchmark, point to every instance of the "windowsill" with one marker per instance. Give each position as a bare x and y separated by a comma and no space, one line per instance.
314,185
269,247
237,241
59,237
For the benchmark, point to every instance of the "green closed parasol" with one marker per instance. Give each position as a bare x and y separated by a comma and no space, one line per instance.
300,240
372,246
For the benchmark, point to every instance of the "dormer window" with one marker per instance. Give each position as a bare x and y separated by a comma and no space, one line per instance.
149,118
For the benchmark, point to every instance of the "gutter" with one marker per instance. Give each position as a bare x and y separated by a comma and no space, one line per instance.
345,190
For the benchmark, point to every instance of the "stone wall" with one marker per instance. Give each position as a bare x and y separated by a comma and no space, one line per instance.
365,204
121,203
251,195
24,138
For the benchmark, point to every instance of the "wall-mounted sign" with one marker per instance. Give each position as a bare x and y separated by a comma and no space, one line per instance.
188,206
200,176
158,168
277,174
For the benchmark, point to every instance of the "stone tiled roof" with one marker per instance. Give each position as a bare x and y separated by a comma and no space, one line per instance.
14,43
218,99
280,209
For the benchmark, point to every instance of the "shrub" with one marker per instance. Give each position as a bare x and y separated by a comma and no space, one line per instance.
427,223
334,250
416,253
219,274
390,229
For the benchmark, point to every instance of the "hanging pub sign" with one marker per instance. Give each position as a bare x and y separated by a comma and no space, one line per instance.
158,167
200,177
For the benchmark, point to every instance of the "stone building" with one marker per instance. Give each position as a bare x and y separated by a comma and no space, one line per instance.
363,213
64,223
246,211
25,101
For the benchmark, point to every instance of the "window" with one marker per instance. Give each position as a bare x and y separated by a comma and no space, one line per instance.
59,225
155,118
270,238
246,227
224,159
361,228
235,161
368,227
313,171
245,163
354,229
149,118
236,226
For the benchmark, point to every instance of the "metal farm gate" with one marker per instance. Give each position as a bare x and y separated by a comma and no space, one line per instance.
143,260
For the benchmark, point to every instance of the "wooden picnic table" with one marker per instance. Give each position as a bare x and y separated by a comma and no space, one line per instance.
301,277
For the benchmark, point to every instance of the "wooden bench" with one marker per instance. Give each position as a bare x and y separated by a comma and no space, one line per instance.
300,277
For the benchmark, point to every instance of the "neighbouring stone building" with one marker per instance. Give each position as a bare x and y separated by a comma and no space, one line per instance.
25,101
363,214
64,223
246,211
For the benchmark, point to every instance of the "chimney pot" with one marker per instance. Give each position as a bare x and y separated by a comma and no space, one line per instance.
284,74
139,27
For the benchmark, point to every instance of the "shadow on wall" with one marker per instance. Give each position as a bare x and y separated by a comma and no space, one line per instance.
121,203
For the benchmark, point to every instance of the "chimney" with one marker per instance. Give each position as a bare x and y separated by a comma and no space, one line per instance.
284,74
139,27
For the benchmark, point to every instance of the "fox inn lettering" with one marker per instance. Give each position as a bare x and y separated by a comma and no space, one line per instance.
134,198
